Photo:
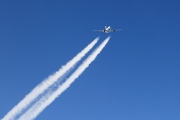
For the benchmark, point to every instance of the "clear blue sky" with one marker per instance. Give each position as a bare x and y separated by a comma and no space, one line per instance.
136,77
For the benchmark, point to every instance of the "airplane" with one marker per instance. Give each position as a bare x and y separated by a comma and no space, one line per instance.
108,30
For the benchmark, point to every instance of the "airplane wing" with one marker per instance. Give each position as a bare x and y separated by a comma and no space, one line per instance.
99,30
116,30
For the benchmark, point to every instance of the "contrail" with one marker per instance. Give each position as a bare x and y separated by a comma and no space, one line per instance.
39,89
46,100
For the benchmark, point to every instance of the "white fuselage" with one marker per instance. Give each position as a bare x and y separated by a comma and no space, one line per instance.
108,29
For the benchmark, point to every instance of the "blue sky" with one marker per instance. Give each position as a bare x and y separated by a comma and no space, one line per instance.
136,77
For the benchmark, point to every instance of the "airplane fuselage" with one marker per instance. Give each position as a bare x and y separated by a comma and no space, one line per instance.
108,29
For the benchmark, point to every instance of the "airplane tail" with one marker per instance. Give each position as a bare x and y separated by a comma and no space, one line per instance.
107,27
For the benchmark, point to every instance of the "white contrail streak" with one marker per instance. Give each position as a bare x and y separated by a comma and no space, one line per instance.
46,100
39,89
